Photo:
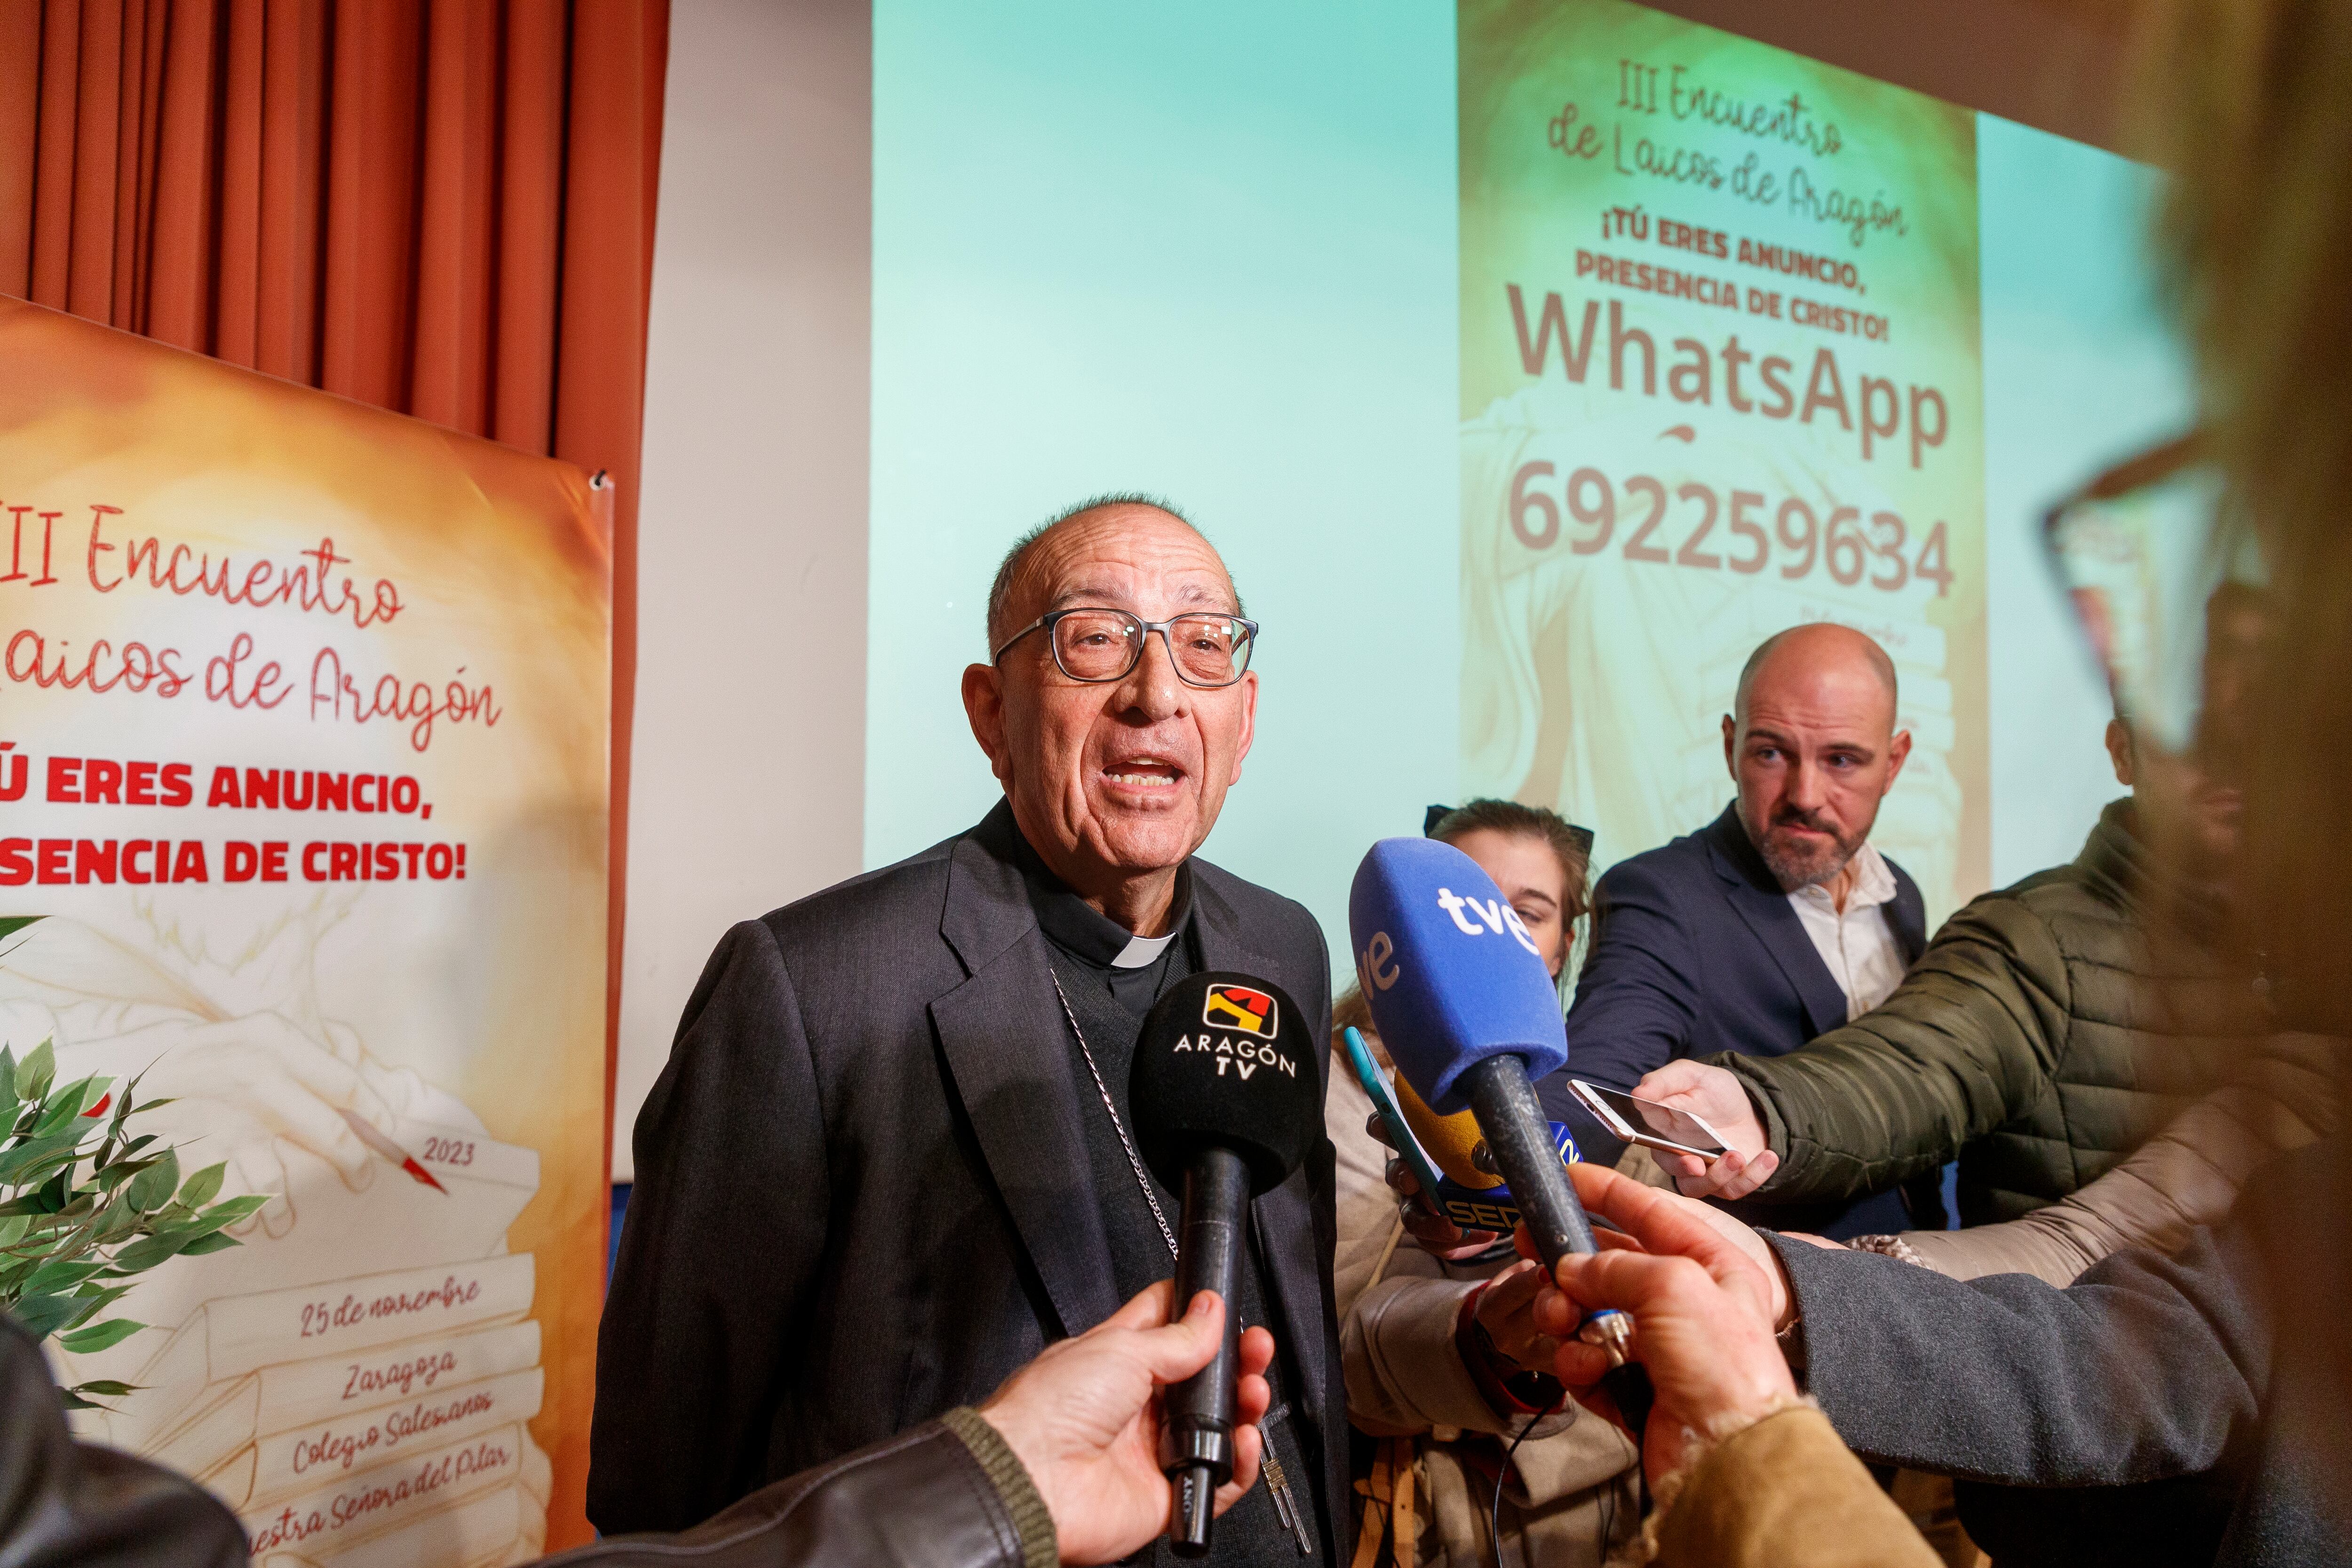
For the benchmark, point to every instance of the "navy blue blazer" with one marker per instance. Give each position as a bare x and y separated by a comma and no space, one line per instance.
1696,950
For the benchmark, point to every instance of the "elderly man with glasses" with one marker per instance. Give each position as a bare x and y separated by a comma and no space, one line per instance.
891,1157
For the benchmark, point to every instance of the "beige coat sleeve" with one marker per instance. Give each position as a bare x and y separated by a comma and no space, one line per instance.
1370,1243
1785,1493
2185,1177
1397,1304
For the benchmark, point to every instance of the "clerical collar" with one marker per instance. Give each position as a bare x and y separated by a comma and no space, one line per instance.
1086,933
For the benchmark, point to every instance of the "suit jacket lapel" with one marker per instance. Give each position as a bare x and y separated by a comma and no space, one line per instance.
1283,1217
1751,890
1003,1038
1907,914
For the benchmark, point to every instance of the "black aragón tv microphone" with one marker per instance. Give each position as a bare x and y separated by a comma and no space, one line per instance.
1226,1100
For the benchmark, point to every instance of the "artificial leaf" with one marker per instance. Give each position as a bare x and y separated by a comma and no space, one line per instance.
100,1336
114,1173
153,1186
39,1315
198,1189
62,1274
34,1073
213,1241
63,1105
19,1164
106,1386
54,1190
150,1250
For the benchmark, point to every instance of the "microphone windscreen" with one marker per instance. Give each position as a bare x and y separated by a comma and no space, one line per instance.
1225,1060
1452,975
1450,1142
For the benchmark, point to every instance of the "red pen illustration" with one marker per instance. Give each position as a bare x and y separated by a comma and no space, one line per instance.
390,1151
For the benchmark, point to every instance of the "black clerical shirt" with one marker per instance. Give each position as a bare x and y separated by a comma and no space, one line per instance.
1110,979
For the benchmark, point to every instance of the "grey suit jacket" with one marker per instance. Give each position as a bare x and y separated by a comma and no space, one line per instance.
862,1193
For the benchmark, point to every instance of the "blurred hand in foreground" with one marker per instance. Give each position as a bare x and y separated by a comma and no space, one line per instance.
1706,1298
1716,1098
1085,1419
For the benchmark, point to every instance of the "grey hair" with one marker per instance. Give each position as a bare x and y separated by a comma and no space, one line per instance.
1000,590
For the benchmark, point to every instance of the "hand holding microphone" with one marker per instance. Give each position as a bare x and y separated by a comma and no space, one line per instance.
1226,1101
1084,1423
1709,1294
1468,1012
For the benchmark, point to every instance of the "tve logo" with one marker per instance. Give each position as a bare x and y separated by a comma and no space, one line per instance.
1495,913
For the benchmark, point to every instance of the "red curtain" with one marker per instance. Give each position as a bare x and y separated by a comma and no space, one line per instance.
444,207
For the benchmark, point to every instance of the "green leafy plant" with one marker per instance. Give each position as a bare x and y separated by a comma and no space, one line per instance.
86,1205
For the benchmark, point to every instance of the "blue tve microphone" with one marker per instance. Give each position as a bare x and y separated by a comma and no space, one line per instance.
1469,1014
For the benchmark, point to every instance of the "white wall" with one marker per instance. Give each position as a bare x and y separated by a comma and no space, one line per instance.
750,693
1207,252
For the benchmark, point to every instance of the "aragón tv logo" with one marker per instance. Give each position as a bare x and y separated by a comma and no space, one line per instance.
1243,1025
1239,1008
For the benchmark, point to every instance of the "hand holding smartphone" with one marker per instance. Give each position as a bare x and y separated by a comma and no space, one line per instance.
1633,1120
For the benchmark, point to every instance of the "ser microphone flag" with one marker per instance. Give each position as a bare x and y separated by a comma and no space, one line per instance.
1462,999
1227,1096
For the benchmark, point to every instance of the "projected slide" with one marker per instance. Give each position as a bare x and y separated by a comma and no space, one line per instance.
1720,375
1529,363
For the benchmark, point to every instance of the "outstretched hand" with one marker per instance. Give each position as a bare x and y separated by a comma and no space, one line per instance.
1084,1420
1706,1298
1716,1098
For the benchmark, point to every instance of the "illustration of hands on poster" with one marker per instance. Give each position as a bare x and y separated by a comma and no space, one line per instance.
1721,375
303,734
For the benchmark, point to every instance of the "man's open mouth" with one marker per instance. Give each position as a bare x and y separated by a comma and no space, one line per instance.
1144,772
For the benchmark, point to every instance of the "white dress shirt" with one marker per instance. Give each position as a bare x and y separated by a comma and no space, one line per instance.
1857,944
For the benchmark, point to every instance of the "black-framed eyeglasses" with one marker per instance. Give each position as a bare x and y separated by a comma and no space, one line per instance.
1096,645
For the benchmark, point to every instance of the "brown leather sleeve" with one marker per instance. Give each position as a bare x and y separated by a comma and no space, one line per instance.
1786,1493
61,1502
921,1500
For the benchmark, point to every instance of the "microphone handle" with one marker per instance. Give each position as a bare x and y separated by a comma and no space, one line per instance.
1200,1410
1520,1137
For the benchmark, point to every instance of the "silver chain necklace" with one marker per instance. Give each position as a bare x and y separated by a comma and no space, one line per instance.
1134,1160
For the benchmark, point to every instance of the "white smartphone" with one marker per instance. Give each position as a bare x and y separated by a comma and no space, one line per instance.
1645,1122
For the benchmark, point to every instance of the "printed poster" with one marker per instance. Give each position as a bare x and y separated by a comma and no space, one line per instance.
304,735
1720,375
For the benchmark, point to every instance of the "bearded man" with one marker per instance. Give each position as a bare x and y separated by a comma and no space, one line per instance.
1777,921
891,1157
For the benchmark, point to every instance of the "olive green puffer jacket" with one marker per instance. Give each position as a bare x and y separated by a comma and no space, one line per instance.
2033,1040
